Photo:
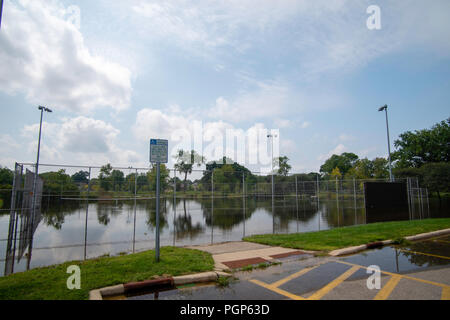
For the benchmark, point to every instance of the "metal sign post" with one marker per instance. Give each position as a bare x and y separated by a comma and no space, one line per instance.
158,154
1,12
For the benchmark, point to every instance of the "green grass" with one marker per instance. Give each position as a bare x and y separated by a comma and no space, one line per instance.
351,236
49,283
223,282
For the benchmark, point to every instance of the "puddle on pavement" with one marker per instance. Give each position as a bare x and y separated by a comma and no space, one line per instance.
416,256
165,293
413,257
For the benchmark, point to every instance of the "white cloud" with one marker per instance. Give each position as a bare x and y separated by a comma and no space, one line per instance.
282,123
7,142
152,123
339,149
80,140
268,100
305,124
324,35
205,25
343,137
44,56
213,139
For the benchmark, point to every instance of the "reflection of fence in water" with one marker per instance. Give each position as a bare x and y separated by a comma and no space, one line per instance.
20,238
344,198
138,183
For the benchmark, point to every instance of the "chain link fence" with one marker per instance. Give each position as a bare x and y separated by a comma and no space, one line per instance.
198,207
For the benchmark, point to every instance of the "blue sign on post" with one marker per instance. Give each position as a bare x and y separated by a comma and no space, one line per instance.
159,153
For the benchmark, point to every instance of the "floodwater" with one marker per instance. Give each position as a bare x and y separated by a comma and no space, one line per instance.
75,230
429,255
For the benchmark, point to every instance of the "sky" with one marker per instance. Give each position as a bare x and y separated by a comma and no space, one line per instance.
119,73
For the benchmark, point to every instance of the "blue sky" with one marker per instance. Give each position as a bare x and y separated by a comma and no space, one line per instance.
128,71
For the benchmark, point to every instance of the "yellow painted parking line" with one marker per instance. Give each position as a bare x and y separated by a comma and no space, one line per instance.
443,241
333,284
431,239
424,253
292,276
385,292
445,293
438,284
277,290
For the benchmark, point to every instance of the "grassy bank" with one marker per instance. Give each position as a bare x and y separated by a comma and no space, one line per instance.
49,283
351,236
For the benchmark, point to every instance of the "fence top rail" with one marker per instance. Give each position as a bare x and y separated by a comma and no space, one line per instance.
96,167
264,174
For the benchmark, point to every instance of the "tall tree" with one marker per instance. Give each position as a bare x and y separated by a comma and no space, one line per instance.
380,168
164,175
80,177
118,179
186,161
344,162
105,177
436,177
6,176
336,173
415,149
283,165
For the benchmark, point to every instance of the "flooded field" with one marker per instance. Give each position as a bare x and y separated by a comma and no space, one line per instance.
75,230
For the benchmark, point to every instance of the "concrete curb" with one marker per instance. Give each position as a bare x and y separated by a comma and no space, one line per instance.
428,235
351,250
121,289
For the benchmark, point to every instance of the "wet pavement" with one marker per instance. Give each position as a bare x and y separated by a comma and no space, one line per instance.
420,270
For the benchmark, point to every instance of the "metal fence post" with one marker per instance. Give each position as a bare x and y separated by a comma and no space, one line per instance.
157,211
364,197
135,204
408,191
354,197
421,203
212,206
243,200
87,215
318,191
174,184
296,199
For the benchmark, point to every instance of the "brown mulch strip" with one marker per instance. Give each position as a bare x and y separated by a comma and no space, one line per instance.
243,263
287,254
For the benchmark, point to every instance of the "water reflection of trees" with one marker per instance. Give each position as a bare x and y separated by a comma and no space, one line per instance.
149,207
54,213
108,209
228,212
290,210
421,259
183,225
343,213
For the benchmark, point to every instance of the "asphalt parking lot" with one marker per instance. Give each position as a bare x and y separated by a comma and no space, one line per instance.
419,271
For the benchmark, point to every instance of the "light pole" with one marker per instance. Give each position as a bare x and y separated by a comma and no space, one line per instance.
271,136
1,12
389,143
37,160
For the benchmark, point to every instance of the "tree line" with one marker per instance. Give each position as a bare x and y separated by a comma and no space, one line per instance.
422,153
